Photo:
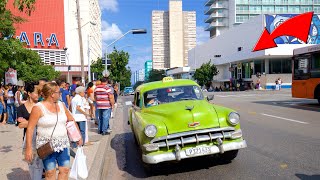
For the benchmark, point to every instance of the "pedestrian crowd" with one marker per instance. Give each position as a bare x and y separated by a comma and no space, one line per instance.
43,109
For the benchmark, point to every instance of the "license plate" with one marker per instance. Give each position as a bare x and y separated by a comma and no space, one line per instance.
198,151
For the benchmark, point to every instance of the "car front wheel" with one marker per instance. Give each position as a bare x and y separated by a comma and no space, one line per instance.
229,155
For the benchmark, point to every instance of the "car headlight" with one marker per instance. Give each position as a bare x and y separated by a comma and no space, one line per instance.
150,130
234,118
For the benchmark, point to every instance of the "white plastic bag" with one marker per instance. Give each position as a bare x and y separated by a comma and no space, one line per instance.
79,166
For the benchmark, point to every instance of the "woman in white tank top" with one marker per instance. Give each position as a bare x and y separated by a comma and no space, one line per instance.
49,116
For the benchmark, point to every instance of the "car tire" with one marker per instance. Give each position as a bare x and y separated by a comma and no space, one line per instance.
229,155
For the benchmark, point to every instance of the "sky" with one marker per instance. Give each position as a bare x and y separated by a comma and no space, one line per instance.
119,16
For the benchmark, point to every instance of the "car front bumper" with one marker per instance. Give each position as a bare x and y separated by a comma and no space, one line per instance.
181,154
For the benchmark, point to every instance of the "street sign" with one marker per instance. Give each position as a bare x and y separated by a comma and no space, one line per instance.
104,61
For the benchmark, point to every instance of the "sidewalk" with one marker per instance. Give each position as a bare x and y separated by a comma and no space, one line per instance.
13,167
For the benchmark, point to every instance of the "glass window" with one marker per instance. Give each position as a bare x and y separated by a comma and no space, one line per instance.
259,66
242,1
242,9
315,66
301,67
137,100
281,9
304,9
306,1
316,1
294,2
316,9
275,66
172,94
255,9
286,66
294,9
268,9
241,18
268,1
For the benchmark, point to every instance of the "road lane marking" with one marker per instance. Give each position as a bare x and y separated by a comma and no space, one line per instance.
252,112
301,122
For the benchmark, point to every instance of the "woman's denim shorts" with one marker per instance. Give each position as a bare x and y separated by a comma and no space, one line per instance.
62,158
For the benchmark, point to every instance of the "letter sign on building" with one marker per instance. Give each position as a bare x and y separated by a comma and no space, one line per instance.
38,39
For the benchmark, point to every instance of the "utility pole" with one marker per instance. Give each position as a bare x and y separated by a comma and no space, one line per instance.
80,41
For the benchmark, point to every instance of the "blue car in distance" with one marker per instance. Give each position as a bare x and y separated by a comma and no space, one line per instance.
128,91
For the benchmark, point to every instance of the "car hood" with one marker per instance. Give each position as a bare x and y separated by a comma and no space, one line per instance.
185,115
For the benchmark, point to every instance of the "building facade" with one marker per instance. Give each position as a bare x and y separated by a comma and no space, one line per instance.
236,61
147,69
52,31
173,35
223,15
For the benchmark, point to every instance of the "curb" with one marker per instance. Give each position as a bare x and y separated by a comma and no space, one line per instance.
97,166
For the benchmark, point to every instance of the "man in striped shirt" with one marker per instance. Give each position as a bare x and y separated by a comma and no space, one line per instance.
105,103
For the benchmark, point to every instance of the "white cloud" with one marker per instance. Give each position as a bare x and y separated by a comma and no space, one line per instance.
202,35
109,5
110,31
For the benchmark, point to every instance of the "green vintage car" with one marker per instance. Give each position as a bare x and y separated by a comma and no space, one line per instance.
171,120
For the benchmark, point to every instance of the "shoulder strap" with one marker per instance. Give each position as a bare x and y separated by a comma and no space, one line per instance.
56,122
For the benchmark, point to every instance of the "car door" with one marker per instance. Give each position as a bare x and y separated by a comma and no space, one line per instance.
136,114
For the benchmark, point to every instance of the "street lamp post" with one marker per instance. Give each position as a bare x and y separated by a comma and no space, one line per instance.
133,31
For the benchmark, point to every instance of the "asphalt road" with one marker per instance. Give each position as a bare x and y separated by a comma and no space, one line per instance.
282,133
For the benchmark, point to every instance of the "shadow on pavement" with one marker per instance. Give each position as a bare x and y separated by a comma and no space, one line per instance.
134,166
309,105
307,177
5,149
18,173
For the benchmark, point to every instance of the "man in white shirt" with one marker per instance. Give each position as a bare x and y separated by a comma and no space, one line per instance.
78,110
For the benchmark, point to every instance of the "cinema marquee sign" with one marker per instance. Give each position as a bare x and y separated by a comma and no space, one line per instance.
38,39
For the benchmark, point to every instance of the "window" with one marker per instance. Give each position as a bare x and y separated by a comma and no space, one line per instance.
281,9
255,9
304,9
301,68
242,9
259,66
268,9
241,18
316,9
172,94
294,9
316,1
268,1
137,99
315,66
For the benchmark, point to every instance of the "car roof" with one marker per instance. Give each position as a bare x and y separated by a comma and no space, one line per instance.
160,84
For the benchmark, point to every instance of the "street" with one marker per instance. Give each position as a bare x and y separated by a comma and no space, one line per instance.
282,135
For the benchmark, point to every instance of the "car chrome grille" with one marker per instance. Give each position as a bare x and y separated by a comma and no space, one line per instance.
198,136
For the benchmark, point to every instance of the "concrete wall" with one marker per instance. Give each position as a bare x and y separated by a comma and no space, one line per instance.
268,80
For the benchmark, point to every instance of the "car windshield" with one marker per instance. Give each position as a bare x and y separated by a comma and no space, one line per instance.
172,94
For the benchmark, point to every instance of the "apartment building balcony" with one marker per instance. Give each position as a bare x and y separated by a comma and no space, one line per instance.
209,3
214,25
214,16
212,8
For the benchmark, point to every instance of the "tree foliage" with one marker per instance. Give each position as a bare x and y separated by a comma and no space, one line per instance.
205,73
156,75
26,6
28,63
97,67
118,68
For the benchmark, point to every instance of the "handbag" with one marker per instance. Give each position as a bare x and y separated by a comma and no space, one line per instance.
47,149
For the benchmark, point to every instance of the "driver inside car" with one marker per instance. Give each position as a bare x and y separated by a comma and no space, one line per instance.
188,93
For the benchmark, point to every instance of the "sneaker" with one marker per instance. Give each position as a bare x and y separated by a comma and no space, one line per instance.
109,130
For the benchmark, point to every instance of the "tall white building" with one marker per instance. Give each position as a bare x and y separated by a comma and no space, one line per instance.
223,15
173,35
91,33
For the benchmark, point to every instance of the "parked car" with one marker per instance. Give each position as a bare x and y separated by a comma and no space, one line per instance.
128,91
170,125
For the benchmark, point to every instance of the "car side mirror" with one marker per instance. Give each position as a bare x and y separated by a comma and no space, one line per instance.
128,103
211,97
